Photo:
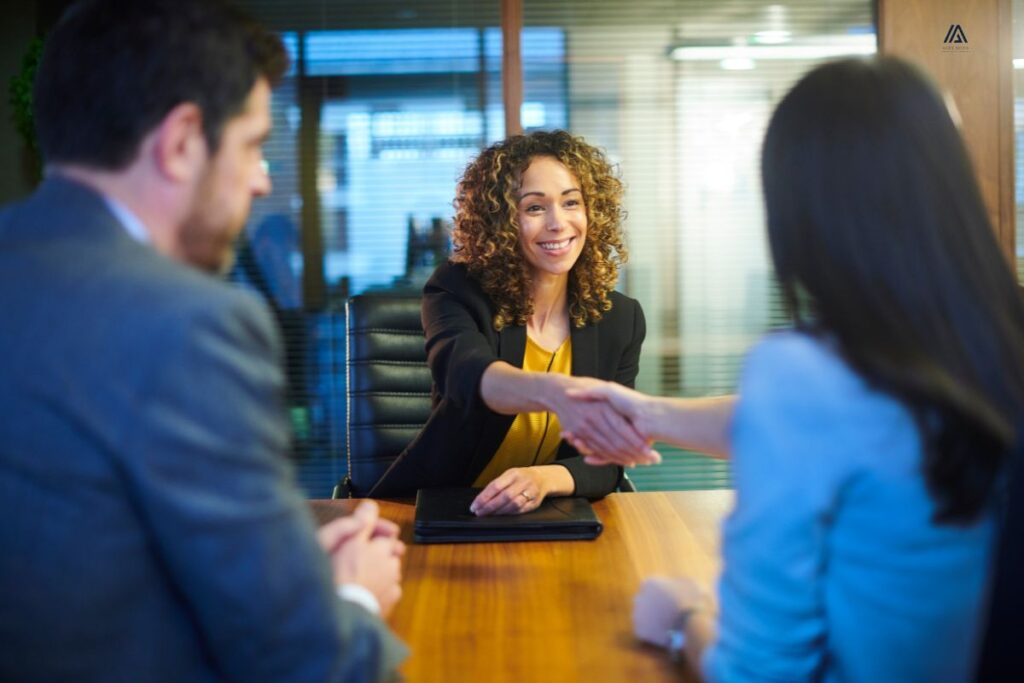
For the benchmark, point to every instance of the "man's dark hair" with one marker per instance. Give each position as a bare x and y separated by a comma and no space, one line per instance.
879,233
112,69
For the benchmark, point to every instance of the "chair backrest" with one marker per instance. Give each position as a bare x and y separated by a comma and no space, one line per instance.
388,383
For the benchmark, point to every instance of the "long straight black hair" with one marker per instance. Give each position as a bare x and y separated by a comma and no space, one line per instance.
880,239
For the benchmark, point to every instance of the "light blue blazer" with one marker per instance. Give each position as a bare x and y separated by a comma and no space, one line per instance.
833,567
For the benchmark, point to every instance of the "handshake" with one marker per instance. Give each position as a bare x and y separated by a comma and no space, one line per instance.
609,424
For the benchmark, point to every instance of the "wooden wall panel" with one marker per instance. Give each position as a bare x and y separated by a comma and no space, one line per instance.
975,65
512,64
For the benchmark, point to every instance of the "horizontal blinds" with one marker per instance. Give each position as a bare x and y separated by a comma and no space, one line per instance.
384,106
679,94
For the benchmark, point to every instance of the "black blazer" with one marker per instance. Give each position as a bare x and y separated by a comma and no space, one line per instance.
462,434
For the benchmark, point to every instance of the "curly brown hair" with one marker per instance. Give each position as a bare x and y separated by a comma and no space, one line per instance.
486,230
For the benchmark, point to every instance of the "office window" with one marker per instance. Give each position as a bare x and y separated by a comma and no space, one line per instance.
680,93
382,108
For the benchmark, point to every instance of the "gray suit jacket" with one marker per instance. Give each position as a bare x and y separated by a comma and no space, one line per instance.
149,525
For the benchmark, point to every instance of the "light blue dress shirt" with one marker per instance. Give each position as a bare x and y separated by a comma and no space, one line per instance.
128,219
833,568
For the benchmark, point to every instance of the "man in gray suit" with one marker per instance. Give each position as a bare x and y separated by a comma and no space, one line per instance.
149,526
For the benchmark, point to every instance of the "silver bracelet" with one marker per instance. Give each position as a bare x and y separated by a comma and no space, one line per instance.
677,636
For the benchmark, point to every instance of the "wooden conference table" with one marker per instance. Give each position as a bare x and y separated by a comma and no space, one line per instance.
548,610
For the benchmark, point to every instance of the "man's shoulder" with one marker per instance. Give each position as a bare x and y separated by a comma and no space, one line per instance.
167,290
186,285
129,294
58,206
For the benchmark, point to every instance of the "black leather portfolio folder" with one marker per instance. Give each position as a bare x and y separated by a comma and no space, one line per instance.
443,516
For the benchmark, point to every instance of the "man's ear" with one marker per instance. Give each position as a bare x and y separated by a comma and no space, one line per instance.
179,149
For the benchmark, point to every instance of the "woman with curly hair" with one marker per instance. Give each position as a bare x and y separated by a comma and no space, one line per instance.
525,310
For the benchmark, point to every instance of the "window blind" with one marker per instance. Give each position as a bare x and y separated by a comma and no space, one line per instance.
385,104
679,94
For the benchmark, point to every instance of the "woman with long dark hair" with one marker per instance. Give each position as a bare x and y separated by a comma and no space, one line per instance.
868,443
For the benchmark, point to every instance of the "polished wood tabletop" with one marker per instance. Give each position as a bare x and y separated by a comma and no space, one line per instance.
549,610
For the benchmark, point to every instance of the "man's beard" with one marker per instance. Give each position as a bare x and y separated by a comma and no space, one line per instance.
207,238
206,247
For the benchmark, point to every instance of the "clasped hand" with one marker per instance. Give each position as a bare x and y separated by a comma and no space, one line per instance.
364,550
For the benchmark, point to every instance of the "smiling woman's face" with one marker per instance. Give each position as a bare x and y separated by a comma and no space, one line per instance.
552,218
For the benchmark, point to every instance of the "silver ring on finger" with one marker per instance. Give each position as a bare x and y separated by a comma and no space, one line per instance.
526,495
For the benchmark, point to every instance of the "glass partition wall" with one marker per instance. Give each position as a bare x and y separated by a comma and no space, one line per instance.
680,93
386,102
1018,132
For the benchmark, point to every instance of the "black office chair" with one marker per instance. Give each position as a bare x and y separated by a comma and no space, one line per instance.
388,384
387,392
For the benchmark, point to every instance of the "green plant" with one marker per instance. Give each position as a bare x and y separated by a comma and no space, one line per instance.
23,114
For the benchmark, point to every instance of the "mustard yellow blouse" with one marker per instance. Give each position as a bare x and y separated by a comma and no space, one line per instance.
533,438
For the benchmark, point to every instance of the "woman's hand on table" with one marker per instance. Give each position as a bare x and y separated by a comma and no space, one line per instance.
522,489
660,603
